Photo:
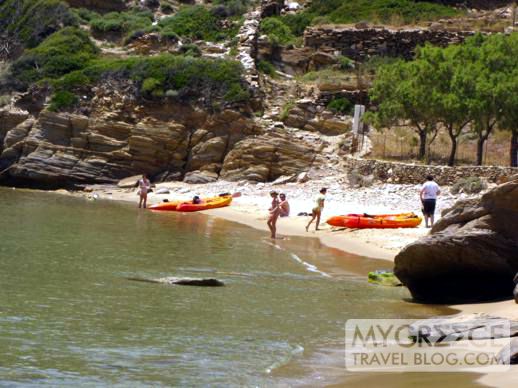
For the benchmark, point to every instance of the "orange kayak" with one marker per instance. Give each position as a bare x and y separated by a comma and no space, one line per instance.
208,203
378,221
165,206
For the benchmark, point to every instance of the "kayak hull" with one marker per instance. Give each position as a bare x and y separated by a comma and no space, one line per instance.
165,206
378,221
209,203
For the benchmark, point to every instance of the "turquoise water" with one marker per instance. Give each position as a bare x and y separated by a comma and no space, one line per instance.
69,315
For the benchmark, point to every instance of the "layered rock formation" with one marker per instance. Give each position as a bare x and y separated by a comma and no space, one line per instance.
267,157
117,138
471,253
307,115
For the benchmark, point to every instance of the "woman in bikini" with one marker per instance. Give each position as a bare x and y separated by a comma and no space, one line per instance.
317,209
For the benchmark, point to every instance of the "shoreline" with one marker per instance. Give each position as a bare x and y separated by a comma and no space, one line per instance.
372,244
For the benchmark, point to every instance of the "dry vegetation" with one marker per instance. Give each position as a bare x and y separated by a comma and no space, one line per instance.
401,144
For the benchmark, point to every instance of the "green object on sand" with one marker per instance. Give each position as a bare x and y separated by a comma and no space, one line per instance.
384,278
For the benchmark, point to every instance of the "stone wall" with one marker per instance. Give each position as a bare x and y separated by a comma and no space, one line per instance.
414,173
478,4
361,43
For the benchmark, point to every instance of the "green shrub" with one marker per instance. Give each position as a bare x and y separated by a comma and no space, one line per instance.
340,105
237,93
191,50
408,11
345,63
278,33
85,15
150,84
470,185
62,52
31,21
122,22
196,22
266,68
378,11
61,100
285,112
184,77
166,8
297,23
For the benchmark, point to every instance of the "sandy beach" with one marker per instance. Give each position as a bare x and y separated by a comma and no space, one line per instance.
251,209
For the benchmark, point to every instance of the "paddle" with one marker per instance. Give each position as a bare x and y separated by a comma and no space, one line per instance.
237,194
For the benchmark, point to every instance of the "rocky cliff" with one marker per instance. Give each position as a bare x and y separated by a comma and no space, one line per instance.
167,141
471,253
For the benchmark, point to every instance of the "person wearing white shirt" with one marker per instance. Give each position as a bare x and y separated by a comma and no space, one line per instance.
429,192
144,187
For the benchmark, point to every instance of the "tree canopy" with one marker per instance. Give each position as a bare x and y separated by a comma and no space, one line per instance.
469,86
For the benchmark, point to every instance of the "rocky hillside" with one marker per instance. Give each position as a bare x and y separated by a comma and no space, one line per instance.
94,91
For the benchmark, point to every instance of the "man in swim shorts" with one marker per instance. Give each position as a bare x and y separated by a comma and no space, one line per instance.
429,192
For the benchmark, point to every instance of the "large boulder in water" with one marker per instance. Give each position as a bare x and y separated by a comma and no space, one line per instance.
471,253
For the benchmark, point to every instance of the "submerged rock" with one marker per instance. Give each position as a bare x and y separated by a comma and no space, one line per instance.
199,282
471,253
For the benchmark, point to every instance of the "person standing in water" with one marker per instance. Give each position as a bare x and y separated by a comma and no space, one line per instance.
274,214
144,185
284,206
429,192
317,208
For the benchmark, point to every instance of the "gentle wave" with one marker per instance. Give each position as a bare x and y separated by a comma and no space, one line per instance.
298,349
309,267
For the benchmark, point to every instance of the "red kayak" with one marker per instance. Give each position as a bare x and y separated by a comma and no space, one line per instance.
210,203
376,221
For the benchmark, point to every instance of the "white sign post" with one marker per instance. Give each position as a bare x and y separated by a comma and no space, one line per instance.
359,111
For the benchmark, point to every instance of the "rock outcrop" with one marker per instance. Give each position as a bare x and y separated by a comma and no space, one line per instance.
309,116
198,282
267,157
114,136
471,253
462,326
63,149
